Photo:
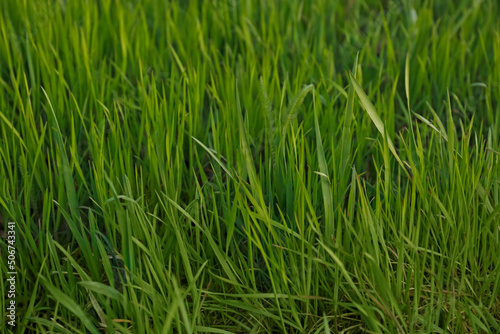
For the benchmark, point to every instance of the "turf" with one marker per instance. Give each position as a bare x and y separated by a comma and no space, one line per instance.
233,166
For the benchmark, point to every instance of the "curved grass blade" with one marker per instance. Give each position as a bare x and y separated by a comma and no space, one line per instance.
370,109
325,180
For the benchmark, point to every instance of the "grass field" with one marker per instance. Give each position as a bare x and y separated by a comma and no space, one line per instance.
233,166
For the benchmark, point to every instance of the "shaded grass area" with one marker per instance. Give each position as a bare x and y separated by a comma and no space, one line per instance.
251,167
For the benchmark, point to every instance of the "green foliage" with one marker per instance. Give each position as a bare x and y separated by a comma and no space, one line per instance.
236,166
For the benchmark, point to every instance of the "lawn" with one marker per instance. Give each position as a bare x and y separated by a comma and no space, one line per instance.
237,166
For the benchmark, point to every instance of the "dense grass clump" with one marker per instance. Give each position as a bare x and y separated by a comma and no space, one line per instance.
234,166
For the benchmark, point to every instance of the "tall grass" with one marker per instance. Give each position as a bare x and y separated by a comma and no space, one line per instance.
251,166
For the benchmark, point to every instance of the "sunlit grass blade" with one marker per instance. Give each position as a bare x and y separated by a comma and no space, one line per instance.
370,109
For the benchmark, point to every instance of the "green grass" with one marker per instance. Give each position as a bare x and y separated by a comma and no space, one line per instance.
233,166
